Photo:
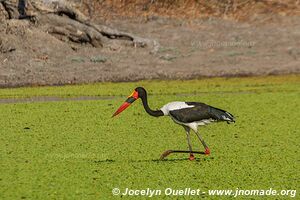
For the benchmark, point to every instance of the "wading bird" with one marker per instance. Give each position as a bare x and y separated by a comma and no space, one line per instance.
187,114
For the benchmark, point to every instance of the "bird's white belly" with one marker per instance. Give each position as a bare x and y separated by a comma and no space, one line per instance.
204,122
194,125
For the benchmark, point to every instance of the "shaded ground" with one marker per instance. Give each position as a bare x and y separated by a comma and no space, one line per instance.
188,49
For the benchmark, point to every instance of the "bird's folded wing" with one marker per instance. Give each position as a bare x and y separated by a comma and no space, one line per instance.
193,114
200,112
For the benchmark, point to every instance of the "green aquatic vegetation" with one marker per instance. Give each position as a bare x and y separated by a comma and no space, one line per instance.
75,150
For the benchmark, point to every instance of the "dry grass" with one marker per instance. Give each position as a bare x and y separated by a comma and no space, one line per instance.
188,9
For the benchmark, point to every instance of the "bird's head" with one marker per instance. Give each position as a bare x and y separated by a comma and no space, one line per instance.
137,93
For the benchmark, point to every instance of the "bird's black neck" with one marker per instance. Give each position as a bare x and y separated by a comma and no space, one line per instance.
155,113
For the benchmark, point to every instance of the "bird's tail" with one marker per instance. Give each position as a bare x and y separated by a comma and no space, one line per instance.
222,115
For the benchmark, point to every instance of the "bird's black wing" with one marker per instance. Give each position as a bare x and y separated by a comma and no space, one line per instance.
199,112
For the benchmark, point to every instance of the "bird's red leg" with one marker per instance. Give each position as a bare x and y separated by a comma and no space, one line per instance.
207,151
192,157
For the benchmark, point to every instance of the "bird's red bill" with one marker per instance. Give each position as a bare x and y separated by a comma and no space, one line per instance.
134,96
122,107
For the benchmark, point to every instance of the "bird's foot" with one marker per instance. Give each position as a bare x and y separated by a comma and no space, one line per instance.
207,151
165,154
192,157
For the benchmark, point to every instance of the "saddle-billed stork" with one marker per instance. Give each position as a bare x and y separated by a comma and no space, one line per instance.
187,114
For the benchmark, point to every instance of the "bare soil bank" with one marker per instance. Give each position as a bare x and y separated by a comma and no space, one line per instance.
188,48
